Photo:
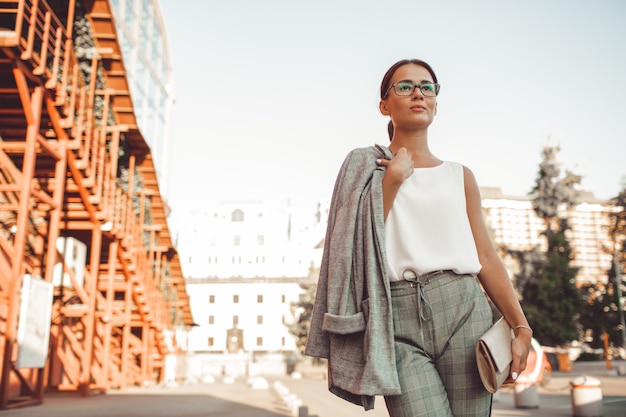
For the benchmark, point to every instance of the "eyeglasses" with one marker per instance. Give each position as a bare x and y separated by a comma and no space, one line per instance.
406,88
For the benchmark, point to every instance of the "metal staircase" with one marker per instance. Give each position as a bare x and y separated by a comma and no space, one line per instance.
74,167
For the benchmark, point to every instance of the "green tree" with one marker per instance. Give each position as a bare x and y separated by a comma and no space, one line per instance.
616,275
303,309
551,300
602,300
600,313
531,262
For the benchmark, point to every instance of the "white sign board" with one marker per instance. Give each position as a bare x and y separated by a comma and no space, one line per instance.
33,332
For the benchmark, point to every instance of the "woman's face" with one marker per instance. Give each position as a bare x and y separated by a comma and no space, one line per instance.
413,112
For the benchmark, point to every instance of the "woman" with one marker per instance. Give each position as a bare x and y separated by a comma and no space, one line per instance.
399,310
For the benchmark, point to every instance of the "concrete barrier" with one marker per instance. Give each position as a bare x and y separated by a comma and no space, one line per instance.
525,394
586,396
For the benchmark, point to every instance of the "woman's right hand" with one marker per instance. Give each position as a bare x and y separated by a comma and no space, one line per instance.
399,168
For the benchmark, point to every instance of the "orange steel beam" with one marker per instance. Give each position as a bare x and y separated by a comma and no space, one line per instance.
82,189
54,223
39,70
145,350
32,108
89,319
126,334
110,294
59,188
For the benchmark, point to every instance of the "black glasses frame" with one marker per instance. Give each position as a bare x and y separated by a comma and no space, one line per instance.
422,89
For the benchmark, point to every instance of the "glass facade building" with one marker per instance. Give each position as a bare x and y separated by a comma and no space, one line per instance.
145,51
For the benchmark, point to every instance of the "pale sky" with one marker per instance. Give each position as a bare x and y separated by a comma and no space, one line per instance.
271,95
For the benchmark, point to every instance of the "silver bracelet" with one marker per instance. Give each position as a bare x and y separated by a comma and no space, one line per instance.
522,326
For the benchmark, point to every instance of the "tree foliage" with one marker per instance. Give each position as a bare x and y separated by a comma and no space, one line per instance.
553,191
600,313
303,310
602,300
552,301
531,263
546,280
618,234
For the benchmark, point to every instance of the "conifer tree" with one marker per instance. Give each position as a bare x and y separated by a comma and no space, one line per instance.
618,236
303,310
551,299
604,302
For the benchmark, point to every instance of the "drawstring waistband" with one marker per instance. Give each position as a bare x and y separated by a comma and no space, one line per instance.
419,281
412,276
424,308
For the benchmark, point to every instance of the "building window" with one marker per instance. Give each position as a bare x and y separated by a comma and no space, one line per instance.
236,240
260,240
211,342
283,298
259,319
211,299
236,216
235,320
259,298
259,341
235,299
211,319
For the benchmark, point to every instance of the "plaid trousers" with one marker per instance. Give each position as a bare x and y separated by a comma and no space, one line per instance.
438,318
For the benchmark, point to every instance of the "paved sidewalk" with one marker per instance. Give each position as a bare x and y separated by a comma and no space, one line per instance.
240,398
554,400
217,399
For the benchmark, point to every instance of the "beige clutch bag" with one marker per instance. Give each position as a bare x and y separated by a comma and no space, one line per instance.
493,355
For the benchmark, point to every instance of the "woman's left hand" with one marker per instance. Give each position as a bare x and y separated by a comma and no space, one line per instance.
520,347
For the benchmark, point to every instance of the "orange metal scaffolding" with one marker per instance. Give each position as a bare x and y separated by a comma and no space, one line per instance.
67,132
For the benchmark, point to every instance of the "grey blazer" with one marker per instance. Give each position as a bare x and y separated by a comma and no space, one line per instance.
352,324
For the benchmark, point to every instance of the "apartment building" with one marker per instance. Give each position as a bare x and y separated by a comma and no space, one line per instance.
514,224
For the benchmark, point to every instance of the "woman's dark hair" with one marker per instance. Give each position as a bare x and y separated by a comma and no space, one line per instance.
386,83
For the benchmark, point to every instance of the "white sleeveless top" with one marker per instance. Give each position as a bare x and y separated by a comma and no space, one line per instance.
427,228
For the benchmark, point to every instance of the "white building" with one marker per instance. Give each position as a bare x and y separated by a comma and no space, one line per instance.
514,224
259,308
244,262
